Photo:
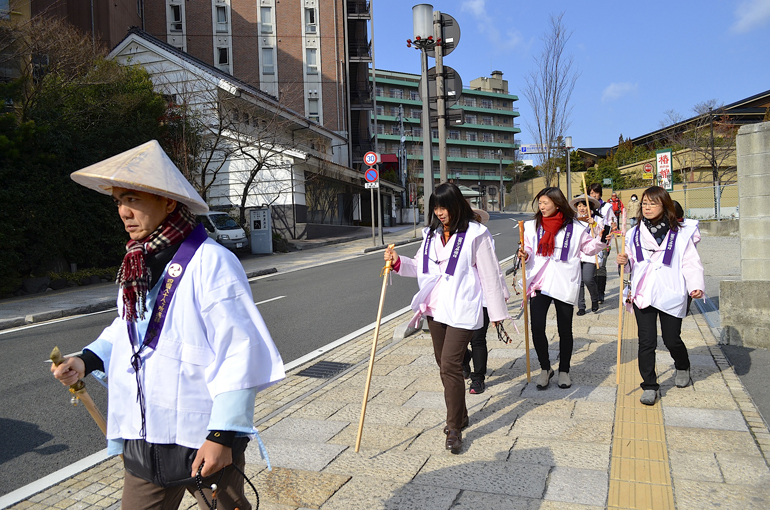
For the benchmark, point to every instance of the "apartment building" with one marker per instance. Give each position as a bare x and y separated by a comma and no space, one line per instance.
476,149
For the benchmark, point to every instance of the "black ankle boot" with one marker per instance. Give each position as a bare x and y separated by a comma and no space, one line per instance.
601,284
594,306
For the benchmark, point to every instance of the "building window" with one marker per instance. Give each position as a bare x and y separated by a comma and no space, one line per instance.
394,129
471,136
397,93
266,14
312,63
268,64
394,111
469,101
487,121
490,154
470,118
414,95
486,103
490,173
471,153
416,131
312,110
455,152
504,104
506,137
434,133
223,57
380,110
506,121
380,128
488,137
415,113
492,191
472,171
221,18
175,15
379,90
310,25
454,135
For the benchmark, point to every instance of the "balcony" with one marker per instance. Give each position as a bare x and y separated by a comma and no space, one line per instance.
361,100
359,9
360,52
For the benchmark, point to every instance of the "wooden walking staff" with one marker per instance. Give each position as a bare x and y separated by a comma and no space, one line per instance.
590,219
385,272
79,392
620,290
524,298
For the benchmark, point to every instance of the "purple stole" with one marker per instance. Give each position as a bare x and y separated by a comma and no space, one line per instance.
450,270
667,255
565,245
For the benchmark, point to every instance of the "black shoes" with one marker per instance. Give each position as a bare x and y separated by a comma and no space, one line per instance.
581,312
477,387
595,306
454,441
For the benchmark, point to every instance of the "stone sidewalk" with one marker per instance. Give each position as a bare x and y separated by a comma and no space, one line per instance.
586,447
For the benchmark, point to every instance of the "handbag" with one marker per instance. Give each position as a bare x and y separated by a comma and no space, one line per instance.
165,465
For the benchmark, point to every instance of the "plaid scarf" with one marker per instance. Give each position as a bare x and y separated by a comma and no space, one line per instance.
134,275
551,227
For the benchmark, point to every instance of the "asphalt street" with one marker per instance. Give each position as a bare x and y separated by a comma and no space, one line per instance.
304,310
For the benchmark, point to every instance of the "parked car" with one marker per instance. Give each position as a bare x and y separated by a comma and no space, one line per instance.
222,228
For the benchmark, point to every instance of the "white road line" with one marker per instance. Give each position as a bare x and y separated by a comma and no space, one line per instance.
495,235
268,300
53,321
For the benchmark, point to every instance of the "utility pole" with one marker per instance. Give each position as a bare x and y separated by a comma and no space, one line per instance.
440,98
502,190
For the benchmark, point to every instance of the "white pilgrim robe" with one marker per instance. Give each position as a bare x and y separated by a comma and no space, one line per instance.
214,341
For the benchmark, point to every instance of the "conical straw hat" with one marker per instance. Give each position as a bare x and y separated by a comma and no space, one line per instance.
144,168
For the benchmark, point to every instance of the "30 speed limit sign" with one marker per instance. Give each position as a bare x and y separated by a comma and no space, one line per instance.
371,158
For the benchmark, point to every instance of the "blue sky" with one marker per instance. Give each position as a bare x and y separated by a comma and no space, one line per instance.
637,59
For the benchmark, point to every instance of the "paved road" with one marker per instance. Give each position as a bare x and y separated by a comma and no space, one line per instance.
304,310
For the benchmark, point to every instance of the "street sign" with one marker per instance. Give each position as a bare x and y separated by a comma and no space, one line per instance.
665,175
532,148
453,86
371,175
450,35
371,158
647,173
606,182
454,117
374,185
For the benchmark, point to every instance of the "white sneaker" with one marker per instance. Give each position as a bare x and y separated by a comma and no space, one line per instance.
544,378
564,380
649,397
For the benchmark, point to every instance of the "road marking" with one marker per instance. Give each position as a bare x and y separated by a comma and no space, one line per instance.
268,300
495,235
54,321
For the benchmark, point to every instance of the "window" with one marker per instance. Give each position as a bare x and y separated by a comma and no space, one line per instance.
472,171
414,95
380,129
175,15
506,121
394,111
471,153
266,14
268,65
490,154
246,118
454,135
312,110
487,121
492,191
380,110
221,18
379,90
415,113
455,152
470,118
416,131
469,101
310,25
223,57
311,55
434,133
488,137
486,103
471,136
504,104
394,129
490,173
397,93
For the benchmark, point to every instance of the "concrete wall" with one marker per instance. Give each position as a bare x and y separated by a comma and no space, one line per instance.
745,304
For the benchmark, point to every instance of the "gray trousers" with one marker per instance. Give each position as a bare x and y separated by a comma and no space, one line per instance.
587,269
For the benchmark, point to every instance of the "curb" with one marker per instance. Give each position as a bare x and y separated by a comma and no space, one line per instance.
397,243
261,272
98,306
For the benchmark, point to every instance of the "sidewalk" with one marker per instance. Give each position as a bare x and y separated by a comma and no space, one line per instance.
587,447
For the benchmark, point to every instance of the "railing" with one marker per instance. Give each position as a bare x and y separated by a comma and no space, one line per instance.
358,7
361,50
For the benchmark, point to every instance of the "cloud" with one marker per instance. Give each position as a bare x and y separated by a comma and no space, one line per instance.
751,14
617,90
486,25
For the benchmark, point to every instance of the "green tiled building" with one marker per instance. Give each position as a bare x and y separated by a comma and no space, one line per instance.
473,159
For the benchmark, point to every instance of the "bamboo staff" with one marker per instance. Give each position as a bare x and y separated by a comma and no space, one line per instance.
79,392
590,222
620,291
524,298
385,272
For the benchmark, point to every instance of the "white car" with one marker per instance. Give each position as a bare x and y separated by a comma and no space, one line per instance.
222,228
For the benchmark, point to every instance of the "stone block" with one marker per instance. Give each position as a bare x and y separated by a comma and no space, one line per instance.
755,228
581,486
755,269
744,316
704,418
754,207
755,186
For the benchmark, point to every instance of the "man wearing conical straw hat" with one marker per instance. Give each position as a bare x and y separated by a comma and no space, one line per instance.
188,351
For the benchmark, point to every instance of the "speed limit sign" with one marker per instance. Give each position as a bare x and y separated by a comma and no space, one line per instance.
371,158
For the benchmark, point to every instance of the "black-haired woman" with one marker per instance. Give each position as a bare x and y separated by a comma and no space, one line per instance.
666,269
553,242
458,272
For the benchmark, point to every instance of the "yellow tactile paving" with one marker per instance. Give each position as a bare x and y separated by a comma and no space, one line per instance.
640,476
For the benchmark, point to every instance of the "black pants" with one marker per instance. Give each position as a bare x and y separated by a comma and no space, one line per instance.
670,330
588,270
538,309
478,351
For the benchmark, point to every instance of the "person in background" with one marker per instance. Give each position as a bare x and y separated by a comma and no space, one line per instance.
617,205
458,273
666,269
632,210
595,224
553,242
605,209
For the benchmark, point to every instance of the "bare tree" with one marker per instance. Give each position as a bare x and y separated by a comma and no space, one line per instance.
548,90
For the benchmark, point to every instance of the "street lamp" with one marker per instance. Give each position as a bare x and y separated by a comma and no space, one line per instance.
568,146
500,203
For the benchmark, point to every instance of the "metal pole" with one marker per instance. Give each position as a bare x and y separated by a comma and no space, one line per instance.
379,210
427,153
502,191
440,98
374,238
569,174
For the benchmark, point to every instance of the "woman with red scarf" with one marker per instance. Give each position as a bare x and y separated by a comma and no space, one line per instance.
553,241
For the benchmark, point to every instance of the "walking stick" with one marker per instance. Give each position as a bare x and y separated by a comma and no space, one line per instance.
620,292
524,299
79,392
590,223
385,272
